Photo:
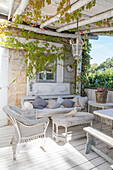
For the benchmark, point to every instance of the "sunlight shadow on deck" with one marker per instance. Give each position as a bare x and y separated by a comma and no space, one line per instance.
58,156
55,157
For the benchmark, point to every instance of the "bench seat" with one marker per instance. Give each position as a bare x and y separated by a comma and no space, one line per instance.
101,136
90,144
47,112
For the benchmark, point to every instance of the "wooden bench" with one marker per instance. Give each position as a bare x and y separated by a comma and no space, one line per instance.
90,144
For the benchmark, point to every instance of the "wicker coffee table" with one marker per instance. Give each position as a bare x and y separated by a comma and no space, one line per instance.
68,121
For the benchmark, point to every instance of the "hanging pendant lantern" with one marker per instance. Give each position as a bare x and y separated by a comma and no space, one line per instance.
77,45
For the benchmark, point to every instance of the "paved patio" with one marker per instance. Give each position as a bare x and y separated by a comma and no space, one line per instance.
54,156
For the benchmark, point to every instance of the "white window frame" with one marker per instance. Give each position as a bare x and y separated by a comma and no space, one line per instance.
45,73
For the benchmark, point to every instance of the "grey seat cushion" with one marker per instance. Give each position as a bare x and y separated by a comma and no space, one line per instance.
39,103
67,103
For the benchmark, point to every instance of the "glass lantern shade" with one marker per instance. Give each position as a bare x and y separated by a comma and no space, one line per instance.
77,50
77,47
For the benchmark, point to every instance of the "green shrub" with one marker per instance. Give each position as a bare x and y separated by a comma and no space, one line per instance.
100,79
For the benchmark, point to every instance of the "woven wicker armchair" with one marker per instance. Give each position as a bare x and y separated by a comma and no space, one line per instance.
26,126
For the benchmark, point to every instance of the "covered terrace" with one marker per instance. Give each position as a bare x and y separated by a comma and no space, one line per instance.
49,29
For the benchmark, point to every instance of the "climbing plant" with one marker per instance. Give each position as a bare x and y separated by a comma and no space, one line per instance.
85,66
37,55
39,52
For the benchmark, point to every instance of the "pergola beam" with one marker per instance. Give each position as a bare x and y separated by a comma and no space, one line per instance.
100,30
10,8
52,33
93,19
74,7
3,17
21,8
47,32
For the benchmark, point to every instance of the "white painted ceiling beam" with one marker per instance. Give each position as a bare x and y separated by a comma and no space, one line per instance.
21,8
100,30
52,33
93,19
10,8
74,7
46,32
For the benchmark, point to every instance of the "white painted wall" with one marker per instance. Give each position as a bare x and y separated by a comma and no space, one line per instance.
51,88
4,54
60,71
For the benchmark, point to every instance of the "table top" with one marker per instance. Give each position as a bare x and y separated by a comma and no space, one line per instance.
94,103
79,116
107,113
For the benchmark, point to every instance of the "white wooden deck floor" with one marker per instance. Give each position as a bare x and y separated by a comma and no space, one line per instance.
70,156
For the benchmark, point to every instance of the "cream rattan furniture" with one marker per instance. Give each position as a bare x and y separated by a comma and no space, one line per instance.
26,126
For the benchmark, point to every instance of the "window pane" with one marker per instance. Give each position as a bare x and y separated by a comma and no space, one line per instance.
47,74
41,76
50,76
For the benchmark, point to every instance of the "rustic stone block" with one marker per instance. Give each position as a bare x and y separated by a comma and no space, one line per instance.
22,79
18,98
17,72
21,53
12,99
21,88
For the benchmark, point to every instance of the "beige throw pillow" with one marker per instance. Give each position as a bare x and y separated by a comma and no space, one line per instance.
52,104
83,101
76,101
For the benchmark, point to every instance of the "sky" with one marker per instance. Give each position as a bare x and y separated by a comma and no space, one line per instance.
101,49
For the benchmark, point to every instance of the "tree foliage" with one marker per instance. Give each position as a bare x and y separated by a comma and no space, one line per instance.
101,76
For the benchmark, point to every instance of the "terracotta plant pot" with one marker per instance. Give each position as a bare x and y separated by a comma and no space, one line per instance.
101,97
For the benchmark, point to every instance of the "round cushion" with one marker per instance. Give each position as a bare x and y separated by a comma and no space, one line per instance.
28,105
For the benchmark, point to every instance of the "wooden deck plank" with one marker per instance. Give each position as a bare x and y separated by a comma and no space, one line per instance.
84,166
57,156
97,161
64,158
105,166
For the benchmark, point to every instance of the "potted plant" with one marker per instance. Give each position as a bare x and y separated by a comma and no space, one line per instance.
101,95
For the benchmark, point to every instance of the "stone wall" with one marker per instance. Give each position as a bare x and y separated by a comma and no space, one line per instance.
17,72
